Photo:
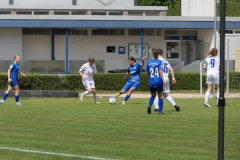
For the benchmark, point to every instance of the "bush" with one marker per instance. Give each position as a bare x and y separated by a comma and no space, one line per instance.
108,82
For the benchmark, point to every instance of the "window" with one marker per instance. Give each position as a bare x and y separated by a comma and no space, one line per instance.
152,32
172,49
134,32
110,49
147,32
35,31
108,32
11,2
172,32
78,32
27,31
188,32
226,32
74,2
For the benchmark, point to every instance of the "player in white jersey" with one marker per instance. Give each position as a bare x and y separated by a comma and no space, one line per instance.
211,65
86,71
166,67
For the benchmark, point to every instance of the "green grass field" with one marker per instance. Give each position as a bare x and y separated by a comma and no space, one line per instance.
68,129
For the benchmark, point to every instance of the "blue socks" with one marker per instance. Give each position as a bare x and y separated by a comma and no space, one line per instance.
5,95
160,103
126,98
16,98
151,99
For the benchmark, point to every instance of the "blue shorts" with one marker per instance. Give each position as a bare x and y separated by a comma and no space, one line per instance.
13,83
156,89
128,85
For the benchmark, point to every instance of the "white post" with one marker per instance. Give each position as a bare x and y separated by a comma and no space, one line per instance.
200,78
227,92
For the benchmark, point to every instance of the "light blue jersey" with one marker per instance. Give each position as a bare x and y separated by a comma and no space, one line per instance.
134,71
153,67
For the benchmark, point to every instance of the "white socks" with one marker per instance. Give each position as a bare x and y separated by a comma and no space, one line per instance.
95,97
170,100
207,94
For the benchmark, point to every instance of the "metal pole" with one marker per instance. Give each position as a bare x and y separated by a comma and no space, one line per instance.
215,38
53,56
227,80
66,70
142,41
221,100
200,78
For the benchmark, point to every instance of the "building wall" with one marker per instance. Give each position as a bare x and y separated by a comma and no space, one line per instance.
206,35
82,47
10,43
90,3
197,7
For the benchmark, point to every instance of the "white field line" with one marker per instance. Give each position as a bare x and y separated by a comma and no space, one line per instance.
53,153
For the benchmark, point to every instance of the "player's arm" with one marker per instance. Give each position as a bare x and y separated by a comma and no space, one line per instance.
126,75
81,74
22,74
95,69
205,66
161,74
142,64
9,78
173,76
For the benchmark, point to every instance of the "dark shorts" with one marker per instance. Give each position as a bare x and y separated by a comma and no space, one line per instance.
156,89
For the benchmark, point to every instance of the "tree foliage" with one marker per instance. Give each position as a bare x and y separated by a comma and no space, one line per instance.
174,6
232,8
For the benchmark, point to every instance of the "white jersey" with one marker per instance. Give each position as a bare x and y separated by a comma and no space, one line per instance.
88,71
165,66
213,63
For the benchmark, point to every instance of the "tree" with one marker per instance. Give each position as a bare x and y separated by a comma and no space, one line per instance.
174,6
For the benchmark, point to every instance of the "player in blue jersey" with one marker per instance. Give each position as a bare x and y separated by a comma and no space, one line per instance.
13,73
133,80
155,80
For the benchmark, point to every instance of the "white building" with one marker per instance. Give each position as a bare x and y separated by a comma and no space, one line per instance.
59,36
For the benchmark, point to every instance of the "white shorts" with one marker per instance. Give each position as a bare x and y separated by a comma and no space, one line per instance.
212,79
166,89
89,85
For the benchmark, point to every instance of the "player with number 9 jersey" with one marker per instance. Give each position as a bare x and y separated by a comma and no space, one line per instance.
211,65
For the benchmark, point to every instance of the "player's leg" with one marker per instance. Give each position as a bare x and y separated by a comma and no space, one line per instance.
5,95
170,100
217,94
134,86
151,99
156,106
209,88
216,81
86,92
17,90
94,92
125,88
160,99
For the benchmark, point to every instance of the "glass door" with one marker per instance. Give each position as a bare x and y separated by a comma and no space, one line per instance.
173,49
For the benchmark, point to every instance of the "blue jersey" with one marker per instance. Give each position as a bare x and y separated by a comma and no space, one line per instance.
14,67
153,67
134,71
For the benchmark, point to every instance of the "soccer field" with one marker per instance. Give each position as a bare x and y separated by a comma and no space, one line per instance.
68,129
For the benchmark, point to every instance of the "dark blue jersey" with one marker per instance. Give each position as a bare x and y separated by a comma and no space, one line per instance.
153,67
14,68
134,71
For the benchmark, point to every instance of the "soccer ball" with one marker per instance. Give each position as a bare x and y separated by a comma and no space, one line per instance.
112,100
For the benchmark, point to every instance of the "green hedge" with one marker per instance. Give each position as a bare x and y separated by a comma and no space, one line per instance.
108,81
